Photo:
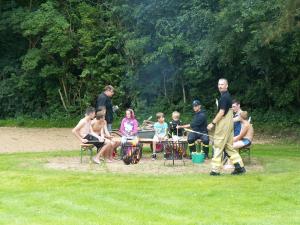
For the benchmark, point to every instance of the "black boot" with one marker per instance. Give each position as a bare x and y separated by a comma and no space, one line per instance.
238,169
206,150
212,173
192,149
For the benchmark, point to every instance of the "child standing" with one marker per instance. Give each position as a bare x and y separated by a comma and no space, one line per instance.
160,128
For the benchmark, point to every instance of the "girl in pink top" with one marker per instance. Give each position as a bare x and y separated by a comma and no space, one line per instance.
129,126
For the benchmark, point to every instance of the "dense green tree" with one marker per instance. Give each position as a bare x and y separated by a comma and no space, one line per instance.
56,56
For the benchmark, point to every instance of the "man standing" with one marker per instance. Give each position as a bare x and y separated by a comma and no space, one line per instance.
198,124
223,136
104,99
236,107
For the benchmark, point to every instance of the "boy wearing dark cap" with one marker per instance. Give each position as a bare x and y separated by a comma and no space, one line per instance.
198,124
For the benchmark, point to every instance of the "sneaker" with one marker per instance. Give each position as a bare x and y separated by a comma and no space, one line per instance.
153,156
96,161
213,173
238,171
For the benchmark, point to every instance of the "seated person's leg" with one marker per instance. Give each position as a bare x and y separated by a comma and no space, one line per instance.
192,137
155,140
93,140
241,143
111,149
105,150
238,144
123,139
205,145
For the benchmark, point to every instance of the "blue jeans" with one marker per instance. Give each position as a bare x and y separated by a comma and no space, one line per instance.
109,127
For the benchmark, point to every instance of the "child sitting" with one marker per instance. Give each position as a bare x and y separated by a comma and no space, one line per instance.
246,135
99,127
86,135
129,126
160,128
175,132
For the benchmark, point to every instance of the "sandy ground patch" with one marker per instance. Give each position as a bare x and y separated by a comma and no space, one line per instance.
15,139
145,166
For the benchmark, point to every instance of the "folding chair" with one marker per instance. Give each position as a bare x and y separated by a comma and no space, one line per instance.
88,148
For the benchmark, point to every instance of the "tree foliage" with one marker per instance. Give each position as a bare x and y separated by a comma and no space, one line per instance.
56,56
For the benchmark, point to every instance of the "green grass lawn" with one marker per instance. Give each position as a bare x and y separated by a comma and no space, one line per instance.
33,194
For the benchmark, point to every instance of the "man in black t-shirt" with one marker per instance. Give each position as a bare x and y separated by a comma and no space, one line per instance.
104,100
198,124
223,135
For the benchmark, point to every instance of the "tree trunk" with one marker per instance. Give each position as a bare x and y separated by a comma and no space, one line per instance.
183,89
62,100
165,86
65,92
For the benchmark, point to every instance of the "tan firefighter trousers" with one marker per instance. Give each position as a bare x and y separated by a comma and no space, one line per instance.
223,141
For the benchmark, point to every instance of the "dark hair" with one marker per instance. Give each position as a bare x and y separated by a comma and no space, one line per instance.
100,115
235,101
90,110
101,108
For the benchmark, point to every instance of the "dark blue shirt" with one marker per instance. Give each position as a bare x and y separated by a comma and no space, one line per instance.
104,100
199,122
237,126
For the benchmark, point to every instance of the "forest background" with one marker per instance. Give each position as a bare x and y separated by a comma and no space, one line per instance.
57,56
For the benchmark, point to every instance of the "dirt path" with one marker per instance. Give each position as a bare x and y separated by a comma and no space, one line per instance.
145,166
36,140
15,139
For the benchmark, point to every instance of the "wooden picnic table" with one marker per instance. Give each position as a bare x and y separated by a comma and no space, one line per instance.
149,141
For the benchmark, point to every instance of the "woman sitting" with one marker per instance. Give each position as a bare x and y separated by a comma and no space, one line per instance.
246,135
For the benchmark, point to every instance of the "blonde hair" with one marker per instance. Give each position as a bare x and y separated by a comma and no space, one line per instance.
175,114
159,115
109,88
224,79
244,115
